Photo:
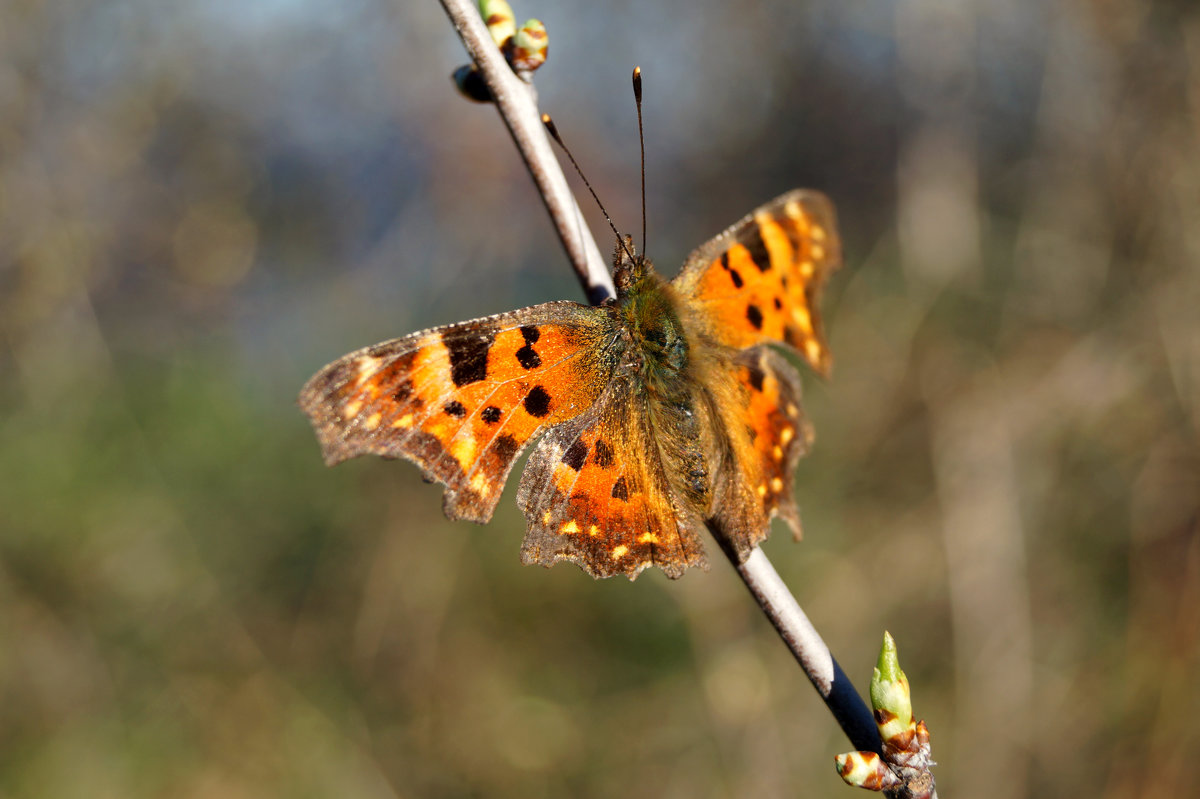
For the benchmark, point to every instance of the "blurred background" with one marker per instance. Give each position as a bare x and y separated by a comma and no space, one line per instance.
203,201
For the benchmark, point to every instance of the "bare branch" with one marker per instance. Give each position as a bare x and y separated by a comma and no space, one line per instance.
515,100
809,648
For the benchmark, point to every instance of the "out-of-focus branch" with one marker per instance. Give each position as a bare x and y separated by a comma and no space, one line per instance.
515,101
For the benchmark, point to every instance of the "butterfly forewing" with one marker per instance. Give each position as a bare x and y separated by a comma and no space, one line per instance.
463,400
760,279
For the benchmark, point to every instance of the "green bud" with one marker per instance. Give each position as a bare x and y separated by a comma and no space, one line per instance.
866,770
889,688
501,23
529,46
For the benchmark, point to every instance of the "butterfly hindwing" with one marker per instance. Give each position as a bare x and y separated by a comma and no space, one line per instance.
462,401
595,492
767,433
760,279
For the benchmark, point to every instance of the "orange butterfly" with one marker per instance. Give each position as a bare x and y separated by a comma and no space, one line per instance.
664,409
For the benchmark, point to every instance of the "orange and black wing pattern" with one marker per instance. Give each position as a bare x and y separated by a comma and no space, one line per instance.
663,411
595,492
767,433
462,401
760,280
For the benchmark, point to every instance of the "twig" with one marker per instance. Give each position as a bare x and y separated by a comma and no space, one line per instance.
519,111
514,99
809,649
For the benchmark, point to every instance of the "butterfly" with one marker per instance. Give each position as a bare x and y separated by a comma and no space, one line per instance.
662,411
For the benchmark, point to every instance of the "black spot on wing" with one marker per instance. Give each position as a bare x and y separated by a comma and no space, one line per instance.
754,315
505,447
455,408
602,456
576,455
527,356
620,490
733,273
468,352
537,402
490,414
758,249
755,377
403,391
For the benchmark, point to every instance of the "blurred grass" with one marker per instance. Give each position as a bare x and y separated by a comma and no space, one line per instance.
201,203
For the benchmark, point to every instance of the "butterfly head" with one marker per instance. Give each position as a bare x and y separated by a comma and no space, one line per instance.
647,310
630,270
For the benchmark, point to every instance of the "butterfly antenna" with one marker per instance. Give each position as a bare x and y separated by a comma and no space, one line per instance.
637,96
552,129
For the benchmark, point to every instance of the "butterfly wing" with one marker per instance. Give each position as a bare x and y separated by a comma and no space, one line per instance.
759,410
760,280
595,492
462,401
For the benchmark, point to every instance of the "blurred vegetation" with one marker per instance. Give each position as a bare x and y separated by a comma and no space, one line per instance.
202,202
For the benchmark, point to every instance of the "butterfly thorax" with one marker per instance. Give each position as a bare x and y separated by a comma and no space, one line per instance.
649,314
660,360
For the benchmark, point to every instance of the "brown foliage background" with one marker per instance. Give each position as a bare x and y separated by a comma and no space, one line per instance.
201,202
